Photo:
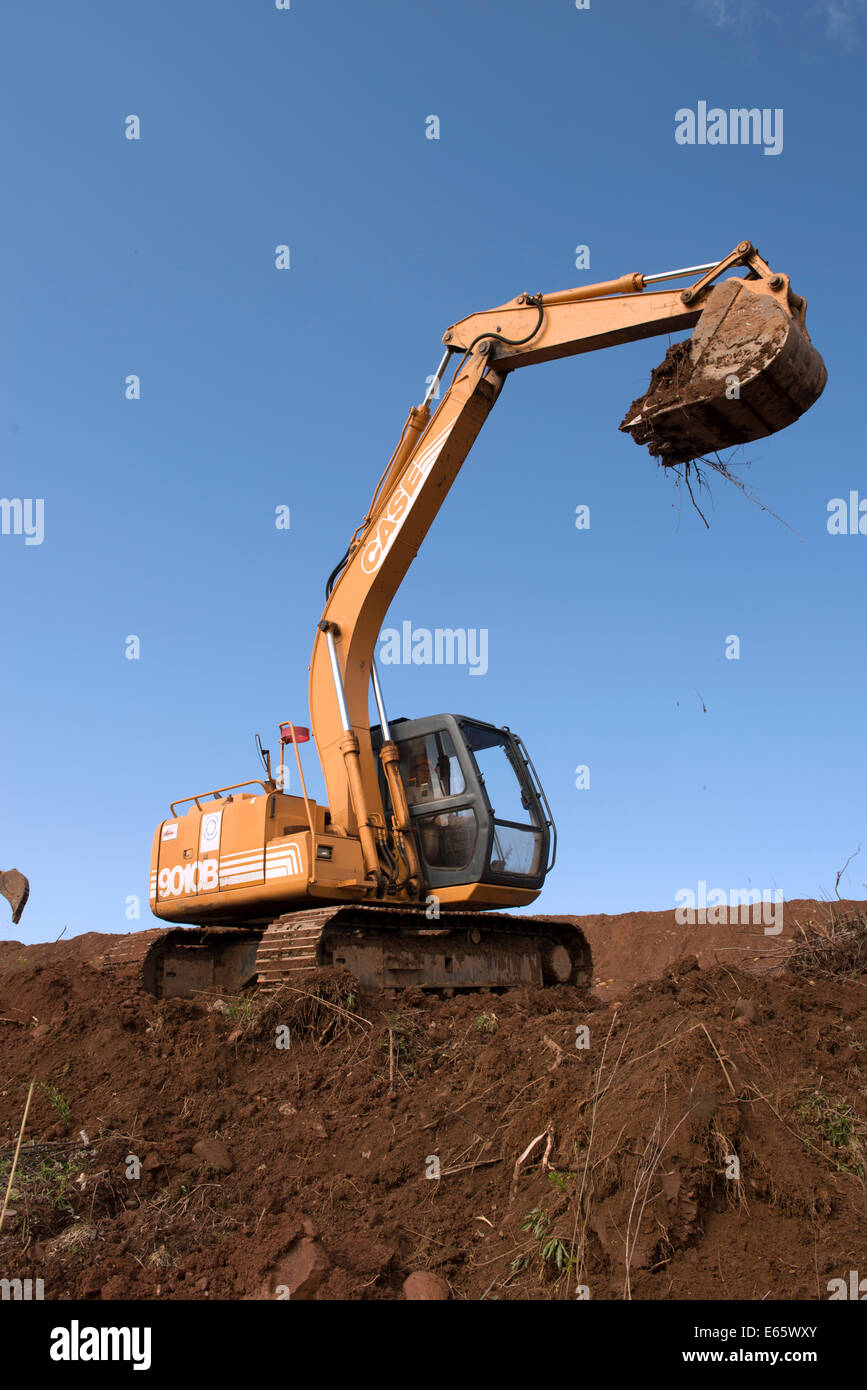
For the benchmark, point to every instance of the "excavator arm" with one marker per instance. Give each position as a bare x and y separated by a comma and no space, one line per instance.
751,371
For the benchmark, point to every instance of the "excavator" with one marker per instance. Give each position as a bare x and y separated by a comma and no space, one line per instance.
436,825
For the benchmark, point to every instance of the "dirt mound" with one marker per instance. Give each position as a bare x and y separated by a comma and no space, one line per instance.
704,1138
635,946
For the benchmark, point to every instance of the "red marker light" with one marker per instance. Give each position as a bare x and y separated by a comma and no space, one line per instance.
302,735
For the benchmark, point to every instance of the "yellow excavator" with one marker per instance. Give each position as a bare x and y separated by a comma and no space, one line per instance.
436,824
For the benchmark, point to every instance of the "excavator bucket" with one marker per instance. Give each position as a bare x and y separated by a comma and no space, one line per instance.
16,889
748,370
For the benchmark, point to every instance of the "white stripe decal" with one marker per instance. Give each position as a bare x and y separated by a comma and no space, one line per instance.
245,868
285,863
290,857
291,848
273,863
378,544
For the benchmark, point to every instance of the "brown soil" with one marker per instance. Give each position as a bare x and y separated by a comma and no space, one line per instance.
668,385
306,1167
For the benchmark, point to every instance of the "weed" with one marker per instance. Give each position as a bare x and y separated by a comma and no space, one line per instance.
241,1008
836,1130
554,1251
57,1099
49,1180
536,1221
404,1041
54,1180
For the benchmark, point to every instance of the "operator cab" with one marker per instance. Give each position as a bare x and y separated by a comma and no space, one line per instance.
475,800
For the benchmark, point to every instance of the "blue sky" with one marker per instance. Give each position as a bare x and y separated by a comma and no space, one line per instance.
262,388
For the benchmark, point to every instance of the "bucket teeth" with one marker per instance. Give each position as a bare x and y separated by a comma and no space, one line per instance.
748,370
16,889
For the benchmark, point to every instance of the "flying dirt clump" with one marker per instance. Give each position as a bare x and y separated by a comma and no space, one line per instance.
16,889
748,370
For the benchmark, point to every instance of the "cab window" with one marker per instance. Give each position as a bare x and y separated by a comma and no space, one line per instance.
430,769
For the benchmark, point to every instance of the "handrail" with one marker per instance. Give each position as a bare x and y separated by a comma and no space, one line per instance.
218,791
540,791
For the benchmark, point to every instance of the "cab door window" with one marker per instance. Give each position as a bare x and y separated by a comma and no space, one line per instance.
430,769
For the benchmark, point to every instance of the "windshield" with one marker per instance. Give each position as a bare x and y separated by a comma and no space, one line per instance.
517,841
506,793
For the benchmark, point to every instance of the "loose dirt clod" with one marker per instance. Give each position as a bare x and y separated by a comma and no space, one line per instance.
301,1272
746,1012
422,1287
215,1154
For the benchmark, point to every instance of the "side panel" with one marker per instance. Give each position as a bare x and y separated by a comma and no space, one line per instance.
242,842
177,857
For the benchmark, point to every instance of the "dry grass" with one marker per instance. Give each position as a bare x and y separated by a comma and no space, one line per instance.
831,948
324,1009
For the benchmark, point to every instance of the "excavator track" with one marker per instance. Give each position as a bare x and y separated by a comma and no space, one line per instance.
395,947
383,947
180,961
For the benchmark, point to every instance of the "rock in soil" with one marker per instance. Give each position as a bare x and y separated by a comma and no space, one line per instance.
423,1287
